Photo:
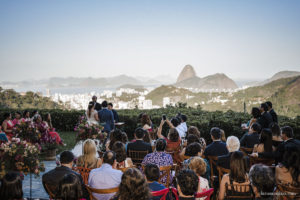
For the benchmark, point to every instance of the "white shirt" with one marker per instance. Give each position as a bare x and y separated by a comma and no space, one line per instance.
182,129
104,177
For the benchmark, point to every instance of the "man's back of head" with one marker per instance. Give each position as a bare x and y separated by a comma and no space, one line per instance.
66,158
139,133
109,157
256,127
287,132
104,104
215,132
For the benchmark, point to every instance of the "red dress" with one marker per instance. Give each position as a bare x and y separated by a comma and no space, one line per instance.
9,126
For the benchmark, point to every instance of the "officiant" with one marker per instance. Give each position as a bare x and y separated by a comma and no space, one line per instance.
96,104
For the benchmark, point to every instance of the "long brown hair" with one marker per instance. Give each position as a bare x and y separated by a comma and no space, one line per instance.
91,105
133,186
238,171
145,120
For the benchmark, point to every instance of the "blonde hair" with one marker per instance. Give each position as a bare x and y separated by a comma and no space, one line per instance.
198,165
89,151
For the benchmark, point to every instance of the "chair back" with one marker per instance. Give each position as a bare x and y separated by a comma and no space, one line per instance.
246,151
288,191
49,190
137,157
238,191
123,169
100,191
213,164
163,193
222,171
265,161
205,194
166,171
84,172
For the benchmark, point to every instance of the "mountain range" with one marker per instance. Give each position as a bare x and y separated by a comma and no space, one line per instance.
188,79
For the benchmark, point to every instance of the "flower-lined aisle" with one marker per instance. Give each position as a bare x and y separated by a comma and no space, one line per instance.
23,152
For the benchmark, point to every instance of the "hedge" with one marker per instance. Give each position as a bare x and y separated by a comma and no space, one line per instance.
230,121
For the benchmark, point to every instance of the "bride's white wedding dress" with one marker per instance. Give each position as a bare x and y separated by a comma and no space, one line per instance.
77,150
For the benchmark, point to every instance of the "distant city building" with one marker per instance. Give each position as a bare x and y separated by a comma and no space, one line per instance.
166,101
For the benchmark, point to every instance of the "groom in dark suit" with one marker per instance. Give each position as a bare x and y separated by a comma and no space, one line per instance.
265,120
106,116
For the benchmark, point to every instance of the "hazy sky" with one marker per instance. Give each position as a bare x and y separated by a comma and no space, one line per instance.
243,39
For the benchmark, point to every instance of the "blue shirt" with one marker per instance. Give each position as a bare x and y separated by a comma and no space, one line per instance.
106,116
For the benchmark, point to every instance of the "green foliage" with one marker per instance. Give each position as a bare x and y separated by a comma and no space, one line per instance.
11,99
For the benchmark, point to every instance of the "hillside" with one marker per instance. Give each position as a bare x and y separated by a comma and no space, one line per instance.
284,93
279,75
13,100
176,94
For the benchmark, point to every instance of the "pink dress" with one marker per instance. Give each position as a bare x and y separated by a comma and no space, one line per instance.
9,126
54,134
16,121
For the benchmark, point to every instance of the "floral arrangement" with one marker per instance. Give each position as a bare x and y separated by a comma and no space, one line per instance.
20,156
88,131
26,130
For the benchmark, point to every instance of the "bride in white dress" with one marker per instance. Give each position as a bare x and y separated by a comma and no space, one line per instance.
92,118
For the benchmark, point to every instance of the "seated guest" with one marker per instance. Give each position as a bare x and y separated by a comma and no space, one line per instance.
238,175
159,157
106,116
26,116
105,177
262,181
116,116
193,130
182,127
265,120
133,186
3,137
175,124
190,139
288,172
152,176
34,114
7,126
232,144
272,112
114,136
88,159
195,150
173,139
252,137
223,136
122,160
287,136
265,142
17,119
69,188
276,139
255,112
11,186
54,176
187,184
139,144
198,165
217,147
51,129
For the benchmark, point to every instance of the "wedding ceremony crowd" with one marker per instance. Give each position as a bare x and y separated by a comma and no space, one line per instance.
177,163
